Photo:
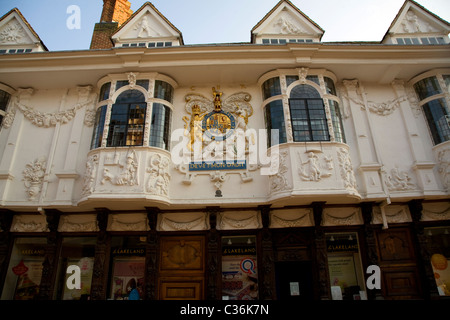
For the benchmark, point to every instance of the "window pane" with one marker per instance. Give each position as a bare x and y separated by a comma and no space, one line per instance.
330,86
4,99
163,90
136,123
117,126
314,79
160,126
97,134
274,117
336,118
271,88
130,96
143,83
304,91
308,119
121,83
127,122
436,112
104,91
290,79
427,87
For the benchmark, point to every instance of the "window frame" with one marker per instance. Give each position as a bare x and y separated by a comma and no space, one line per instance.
309,113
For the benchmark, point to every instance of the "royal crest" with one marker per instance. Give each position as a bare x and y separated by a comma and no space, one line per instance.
214,120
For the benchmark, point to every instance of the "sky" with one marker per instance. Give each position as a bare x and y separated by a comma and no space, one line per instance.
218,21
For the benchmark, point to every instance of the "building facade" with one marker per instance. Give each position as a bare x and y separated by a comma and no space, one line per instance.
281,169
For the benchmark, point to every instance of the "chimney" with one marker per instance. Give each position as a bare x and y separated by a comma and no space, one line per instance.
114,14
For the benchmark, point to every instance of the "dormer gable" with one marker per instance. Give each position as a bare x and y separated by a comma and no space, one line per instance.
285,23
17,35
415,25
147,27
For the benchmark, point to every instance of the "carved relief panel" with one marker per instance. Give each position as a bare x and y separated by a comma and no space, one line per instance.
182,254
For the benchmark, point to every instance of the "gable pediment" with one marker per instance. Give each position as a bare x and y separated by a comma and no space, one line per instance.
415,20
15,32
286,21
147,24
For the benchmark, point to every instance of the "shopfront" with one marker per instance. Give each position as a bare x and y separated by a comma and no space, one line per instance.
293,253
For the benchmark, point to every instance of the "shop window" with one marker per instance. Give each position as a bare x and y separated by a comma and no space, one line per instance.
25,269
127,268
79,252
239,268
438,242
344,266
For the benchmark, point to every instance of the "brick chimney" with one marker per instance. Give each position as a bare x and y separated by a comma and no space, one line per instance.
114,13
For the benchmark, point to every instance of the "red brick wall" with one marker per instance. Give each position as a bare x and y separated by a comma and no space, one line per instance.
122,11
101,38
114,13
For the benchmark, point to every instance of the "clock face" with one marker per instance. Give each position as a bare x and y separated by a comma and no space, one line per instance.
219,125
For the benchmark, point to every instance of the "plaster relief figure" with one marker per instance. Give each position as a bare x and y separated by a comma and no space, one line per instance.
159,180
286,26
312,169
127,175
398,180
34,176
145,29
90,174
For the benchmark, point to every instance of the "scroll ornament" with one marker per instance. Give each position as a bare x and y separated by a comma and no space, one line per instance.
47,119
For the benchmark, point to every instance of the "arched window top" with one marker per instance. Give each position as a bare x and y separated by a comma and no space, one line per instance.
130,96
304,91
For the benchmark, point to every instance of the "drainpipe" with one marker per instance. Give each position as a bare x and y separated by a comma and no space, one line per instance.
383,213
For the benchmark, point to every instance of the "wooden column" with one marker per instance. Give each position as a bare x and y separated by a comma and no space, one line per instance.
101,260
267,276
5,243
213,257
371,246
151,256
50,264
321,251
429,287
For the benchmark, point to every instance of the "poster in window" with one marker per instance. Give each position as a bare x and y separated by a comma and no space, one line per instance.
342,271
441,271
29,274
239,274
128,274
86,265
